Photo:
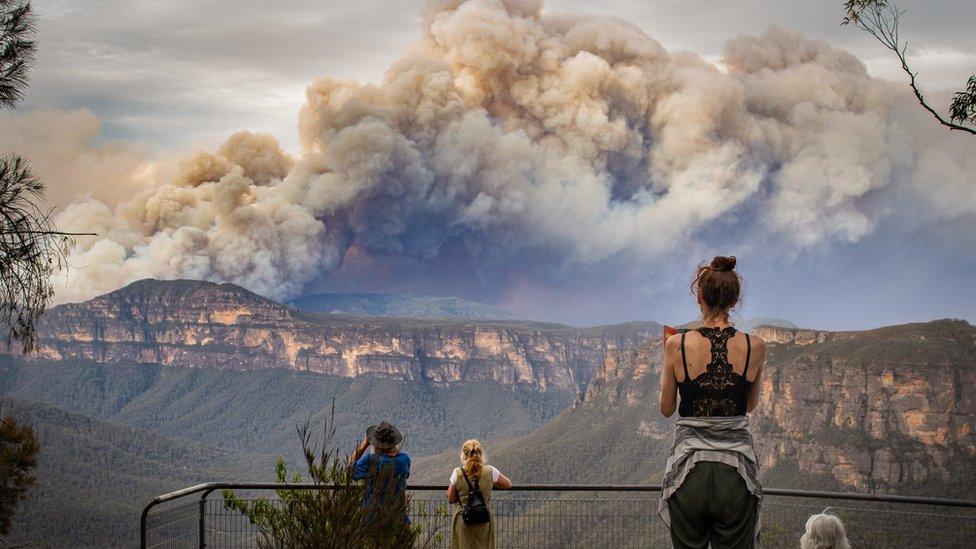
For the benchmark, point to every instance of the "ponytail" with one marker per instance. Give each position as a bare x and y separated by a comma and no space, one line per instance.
473,459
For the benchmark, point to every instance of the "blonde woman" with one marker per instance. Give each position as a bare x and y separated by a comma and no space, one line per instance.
474,474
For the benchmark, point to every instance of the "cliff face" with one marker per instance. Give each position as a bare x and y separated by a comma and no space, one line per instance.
201,324
880,409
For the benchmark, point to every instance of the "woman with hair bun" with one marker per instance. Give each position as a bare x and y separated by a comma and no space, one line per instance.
474,476
711,495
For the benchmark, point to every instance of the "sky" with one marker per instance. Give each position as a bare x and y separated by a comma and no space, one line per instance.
144,85
178,73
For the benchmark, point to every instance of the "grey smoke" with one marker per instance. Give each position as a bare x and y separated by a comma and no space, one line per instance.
505,131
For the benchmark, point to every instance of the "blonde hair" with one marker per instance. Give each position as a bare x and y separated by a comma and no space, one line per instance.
473,459
824,531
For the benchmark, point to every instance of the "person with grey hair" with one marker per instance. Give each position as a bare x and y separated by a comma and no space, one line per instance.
824,531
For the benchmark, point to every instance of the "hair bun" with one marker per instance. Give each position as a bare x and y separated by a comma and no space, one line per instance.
722,263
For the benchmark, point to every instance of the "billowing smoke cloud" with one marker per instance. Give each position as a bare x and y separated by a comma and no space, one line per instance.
507,132
62,148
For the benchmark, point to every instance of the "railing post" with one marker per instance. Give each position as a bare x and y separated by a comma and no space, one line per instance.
202,523
143,519
142,529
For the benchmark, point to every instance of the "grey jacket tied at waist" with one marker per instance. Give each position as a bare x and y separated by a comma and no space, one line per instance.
723,439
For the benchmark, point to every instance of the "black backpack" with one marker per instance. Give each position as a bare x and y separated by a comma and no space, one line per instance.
475,511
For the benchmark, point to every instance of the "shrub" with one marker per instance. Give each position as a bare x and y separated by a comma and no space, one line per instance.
333,514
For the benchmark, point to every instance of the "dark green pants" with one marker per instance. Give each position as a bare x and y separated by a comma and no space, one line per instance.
713,506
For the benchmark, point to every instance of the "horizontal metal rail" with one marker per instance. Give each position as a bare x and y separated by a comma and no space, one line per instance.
209,487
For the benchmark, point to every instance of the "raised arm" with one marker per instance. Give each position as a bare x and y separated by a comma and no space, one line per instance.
669,387
502,482
354,459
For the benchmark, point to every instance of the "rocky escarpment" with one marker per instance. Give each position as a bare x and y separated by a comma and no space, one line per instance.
201,324
886,409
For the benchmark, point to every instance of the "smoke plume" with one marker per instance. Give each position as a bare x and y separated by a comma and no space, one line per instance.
507,133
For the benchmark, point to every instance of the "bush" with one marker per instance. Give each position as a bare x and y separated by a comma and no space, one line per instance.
333,514
18,457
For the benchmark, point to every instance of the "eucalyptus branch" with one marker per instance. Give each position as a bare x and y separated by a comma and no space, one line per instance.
31,250
881,19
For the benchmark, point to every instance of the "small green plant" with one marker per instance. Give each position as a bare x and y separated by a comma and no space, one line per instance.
18,457
335,513
774,534
427,524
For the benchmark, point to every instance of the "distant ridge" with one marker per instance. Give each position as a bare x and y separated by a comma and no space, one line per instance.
400,305
755,322
752,323
152,289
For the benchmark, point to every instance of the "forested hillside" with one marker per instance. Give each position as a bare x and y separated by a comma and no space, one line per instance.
114,436
256,412
94,477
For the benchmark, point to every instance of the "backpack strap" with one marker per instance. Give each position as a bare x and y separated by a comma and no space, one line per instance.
466,479
748,355
684,362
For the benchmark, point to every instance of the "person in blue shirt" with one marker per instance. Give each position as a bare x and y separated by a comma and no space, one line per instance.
385,440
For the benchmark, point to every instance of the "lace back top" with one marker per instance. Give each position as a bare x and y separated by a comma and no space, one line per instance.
720,390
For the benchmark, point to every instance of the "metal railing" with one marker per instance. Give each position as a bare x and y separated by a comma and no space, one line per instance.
544,515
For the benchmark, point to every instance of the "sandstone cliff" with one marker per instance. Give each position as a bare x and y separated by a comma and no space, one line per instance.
891,408
201,324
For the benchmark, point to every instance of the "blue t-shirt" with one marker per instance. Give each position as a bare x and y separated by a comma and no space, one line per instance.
365,464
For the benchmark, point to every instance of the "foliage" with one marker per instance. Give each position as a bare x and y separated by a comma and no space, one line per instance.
31,249
880,19
16,50
963,107
18,457
335,514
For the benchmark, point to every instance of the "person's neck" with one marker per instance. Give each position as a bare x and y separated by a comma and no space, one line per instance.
718,321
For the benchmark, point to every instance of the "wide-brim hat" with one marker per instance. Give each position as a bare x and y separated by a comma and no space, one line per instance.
383,436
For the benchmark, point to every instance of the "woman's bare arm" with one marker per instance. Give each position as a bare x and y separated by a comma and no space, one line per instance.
757,361
669,387
452,496
503,482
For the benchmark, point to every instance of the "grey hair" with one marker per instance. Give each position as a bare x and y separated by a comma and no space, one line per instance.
824,531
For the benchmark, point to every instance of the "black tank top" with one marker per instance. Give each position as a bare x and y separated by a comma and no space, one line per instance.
719,391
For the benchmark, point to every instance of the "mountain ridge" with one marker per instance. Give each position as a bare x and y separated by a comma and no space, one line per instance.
223,326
